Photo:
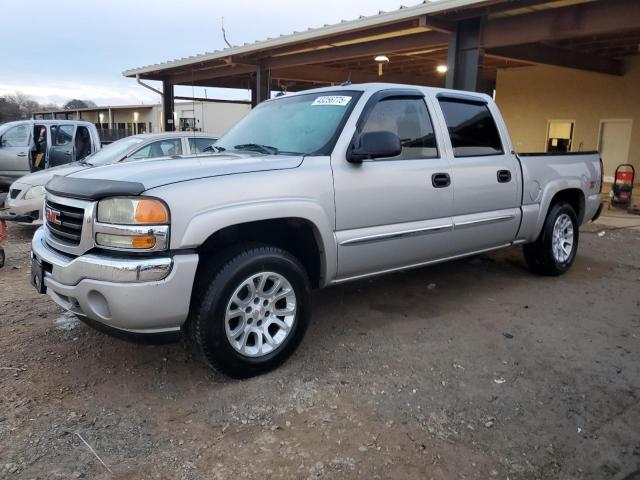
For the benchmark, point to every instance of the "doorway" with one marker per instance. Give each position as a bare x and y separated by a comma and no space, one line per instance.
613,144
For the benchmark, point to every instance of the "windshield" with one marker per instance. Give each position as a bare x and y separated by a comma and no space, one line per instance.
300,124
113,152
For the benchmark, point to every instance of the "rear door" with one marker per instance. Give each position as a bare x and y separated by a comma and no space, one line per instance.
390,213
62,149
14,149
486,174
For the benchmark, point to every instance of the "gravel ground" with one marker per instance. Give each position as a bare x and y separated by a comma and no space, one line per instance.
473,369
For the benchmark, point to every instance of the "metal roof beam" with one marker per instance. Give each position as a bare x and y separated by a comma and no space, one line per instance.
376,47
197,75
594,18
336,75
563,57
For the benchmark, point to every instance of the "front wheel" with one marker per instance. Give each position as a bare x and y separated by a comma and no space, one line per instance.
253,312
555,249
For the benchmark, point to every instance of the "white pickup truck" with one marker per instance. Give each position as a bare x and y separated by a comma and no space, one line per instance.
308,190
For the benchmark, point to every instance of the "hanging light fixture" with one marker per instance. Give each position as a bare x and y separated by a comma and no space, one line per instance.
381,59
442,69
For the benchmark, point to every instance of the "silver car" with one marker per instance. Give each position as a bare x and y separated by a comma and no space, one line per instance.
26,195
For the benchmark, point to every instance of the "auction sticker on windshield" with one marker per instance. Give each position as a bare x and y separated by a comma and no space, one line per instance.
340,100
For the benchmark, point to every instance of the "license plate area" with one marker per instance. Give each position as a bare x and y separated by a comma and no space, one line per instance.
37,275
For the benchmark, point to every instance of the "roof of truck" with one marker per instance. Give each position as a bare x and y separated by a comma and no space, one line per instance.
368,87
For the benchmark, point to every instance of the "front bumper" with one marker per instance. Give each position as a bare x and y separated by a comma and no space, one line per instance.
131,294
22,206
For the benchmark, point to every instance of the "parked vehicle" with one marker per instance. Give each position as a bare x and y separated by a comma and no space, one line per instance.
30,145
26,195
308,190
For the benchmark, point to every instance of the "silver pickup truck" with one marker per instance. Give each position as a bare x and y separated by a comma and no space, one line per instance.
308,190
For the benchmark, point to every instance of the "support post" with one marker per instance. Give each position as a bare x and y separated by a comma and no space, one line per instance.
261,86
465,56
167,106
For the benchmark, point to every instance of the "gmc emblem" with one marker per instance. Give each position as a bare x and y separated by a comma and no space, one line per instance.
53,216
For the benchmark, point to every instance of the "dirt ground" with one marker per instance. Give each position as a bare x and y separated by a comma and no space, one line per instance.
474,369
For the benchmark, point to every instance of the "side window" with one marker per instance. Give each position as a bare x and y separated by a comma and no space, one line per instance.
472,130
199,144
161,148
409,119
17,136
64,135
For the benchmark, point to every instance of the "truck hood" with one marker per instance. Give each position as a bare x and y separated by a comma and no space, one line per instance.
155,173
42,177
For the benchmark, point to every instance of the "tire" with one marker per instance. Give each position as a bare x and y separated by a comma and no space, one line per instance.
269,331
541,257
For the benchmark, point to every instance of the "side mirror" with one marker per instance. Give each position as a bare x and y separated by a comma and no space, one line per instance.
375,145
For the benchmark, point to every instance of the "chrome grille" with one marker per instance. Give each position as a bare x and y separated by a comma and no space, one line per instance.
64,222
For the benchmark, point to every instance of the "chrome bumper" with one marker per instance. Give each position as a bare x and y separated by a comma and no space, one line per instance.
71,270
140,295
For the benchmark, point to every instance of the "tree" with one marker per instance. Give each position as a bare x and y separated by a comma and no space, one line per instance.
17,107
76,104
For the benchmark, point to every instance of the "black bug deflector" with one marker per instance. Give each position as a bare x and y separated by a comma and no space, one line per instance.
92,189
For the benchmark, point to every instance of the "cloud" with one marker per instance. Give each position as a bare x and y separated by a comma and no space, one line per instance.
61,92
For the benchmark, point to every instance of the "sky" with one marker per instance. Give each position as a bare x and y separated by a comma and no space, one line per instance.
79,48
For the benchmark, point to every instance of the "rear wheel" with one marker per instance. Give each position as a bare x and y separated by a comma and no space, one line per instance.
555,249
253,311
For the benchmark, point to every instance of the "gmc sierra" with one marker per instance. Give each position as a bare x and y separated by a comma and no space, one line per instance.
308,190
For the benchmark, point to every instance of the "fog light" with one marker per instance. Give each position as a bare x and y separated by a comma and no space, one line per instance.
138,242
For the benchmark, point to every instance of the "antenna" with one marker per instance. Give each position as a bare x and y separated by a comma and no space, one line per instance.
224,34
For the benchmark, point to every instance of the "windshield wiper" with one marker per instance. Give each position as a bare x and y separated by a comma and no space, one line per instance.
257,147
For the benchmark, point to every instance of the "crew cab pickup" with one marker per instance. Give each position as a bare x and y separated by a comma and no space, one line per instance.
308,190
30,145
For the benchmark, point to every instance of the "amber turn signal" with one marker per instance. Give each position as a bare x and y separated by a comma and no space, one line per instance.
151,211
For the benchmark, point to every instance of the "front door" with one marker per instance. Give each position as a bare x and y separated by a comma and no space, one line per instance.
486,176
394,212
14,150
62,147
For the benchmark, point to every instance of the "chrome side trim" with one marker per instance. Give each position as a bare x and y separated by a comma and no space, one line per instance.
417,265
484,221
70,271
391,235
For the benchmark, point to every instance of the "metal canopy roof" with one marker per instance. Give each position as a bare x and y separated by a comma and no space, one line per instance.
586,34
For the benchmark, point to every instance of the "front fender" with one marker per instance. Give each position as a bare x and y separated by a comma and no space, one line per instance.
205,223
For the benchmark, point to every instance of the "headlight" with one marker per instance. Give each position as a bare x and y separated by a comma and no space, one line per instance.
133,211
132,224
34,192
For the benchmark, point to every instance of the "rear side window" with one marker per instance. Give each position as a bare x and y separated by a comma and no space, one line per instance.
472,130
409,119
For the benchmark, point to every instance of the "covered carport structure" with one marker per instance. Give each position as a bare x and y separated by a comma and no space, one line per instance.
565,72
473,38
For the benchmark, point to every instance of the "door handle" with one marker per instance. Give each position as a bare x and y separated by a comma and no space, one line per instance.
504,176
22,154
440,180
